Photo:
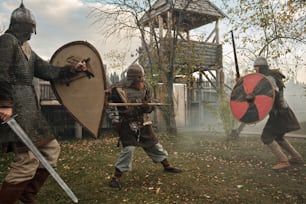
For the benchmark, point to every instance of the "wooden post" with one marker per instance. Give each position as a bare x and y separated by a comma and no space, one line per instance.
160,25
77,130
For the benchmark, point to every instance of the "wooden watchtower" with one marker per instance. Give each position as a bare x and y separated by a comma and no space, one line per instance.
205,56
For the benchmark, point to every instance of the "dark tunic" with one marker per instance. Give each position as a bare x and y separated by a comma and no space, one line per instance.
16,90
281,119
133,132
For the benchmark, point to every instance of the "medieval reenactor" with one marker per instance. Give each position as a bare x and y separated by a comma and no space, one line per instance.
19,64
281,119
132,124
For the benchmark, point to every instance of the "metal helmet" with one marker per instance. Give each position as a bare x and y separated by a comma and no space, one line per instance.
134,71
23,15
260,61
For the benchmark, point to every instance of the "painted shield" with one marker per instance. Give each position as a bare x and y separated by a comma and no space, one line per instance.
252,98
83,96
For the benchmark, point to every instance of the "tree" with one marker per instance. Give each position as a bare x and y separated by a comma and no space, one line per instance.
274,29
125,16
118,62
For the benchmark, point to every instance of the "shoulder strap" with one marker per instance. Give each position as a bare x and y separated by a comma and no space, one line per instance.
122,94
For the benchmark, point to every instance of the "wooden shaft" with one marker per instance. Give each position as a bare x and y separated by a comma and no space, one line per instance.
135,104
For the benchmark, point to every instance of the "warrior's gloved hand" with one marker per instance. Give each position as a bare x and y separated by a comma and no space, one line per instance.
6,113
81,66
108,91
146,108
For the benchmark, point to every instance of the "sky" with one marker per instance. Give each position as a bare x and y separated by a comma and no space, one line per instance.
60,22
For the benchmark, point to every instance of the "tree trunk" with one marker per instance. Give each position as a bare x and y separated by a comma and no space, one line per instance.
171,123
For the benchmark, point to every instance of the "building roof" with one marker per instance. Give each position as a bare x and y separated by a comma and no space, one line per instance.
191,13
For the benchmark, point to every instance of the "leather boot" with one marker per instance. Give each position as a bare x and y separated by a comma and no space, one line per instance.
115,181
169,168
34,185
10,193
296,157
281,157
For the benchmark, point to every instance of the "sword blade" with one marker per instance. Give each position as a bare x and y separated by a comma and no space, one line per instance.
26,140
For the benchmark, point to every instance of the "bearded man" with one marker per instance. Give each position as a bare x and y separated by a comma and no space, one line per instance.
132,124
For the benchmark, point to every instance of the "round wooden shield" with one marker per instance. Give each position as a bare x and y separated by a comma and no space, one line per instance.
252,98
83,96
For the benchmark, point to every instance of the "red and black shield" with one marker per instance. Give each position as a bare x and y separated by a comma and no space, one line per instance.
252,98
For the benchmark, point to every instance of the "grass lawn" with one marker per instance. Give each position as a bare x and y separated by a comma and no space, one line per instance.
215,171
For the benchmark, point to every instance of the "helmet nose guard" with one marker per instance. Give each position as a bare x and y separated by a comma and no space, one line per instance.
23,15
262,63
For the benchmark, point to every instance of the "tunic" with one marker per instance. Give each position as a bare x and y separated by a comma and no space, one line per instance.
281,118
135,130
17,71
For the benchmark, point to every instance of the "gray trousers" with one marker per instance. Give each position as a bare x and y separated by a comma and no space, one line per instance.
124,163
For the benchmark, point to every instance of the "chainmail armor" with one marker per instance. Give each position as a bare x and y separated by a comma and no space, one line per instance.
16,90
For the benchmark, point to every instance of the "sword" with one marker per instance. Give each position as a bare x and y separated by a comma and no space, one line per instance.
26,140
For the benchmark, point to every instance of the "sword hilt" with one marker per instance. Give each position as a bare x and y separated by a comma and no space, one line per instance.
13,116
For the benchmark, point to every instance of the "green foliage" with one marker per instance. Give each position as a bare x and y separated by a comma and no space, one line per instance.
225,114
269,28
117,62
223,111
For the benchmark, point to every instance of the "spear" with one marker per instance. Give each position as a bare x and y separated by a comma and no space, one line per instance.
235,133
135,104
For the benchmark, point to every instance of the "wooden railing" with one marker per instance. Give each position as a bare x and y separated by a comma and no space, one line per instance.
201,56
46,95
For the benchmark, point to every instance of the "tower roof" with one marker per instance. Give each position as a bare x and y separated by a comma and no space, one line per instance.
191,13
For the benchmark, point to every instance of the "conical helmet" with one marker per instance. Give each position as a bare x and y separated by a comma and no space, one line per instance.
23,15
260,61
134,71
